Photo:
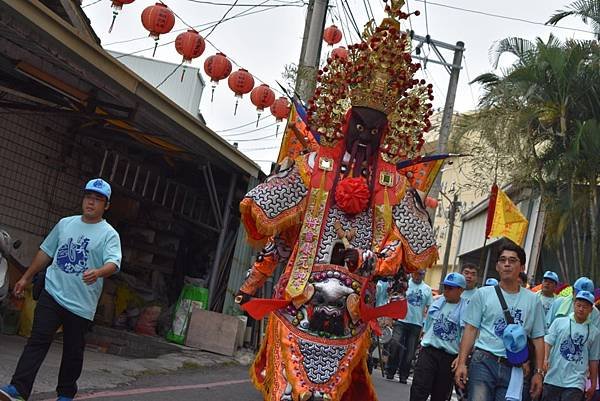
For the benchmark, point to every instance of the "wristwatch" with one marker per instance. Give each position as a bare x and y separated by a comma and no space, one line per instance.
540,372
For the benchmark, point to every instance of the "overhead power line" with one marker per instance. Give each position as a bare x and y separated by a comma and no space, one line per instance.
91,4
503,16
249,131
221,20
253,149
254,139
208,25
243,125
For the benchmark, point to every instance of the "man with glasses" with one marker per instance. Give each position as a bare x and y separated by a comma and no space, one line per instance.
403,345
471,274
80,251
490,373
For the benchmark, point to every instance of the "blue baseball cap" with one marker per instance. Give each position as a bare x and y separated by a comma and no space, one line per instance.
455,280
586,296
515,342
583,284
550,275
100,186
491,281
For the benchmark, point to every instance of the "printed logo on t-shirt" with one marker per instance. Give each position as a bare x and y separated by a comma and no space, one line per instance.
572,348
445,329
415,298
72,257
500,323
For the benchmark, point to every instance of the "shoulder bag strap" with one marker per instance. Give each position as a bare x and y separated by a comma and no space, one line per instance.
507,316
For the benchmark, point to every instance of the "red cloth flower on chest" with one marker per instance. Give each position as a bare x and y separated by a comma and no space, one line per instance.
352,195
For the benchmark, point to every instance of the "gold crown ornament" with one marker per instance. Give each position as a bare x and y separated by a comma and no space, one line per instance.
378,73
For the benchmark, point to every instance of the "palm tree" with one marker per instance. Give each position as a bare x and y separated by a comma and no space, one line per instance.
587,10
540,114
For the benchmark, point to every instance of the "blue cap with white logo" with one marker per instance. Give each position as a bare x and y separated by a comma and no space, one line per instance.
455,280
515,342
586,296
583,284
550,275
491,281
99,186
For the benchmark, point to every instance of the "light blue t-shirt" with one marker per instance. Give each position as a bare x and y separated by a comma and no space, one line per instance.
484,312
556,311
442,330
418,297
547,305
468,294
381,294
76,246
573,346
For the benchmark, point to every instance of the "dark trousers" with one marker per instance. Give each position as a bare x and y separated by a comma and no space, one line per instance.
555,393
433,375
402,349
48,317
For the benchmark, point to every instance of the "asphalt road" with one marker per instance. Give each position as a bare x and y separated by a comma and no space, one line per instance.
216,384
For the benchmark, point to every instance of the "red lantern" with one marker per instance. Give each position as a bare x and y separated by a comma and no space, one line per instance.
280,109
240,82
158,19
340,52
217,67
190,45
262,96
117,6
332,35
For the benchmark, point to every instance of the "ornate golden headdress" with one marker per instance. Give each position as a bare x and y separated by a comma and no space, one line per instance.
378,74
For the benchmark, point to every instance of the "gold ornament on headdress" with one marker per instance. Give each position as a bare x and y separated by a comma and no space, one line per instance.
378,74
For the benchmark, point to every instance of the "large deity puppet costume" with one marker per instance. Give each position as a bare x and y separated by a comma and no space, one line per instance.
337,219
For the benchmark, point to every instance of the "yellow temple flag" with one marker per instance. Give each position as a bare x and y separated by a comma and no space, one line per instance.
507,220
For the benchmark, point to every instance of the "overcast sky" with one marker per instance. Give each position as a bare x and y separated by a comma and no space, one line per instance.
264,42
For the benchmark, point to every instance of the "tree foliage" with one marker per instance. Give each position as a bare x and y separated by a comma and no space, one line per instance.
540,122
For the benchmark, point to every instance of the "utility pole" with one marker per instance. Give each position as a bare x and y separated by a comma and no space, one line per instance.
306,79
454,204
454,70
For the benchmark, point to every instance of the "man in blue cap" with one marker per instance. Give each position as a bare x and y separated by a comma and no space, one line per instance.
572,349
443,329
547,296
79,251
563,306
489,373
403,345
490,282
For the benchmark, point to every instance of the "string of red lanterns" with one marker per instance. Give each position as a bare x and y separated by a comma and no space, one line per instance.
160,19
